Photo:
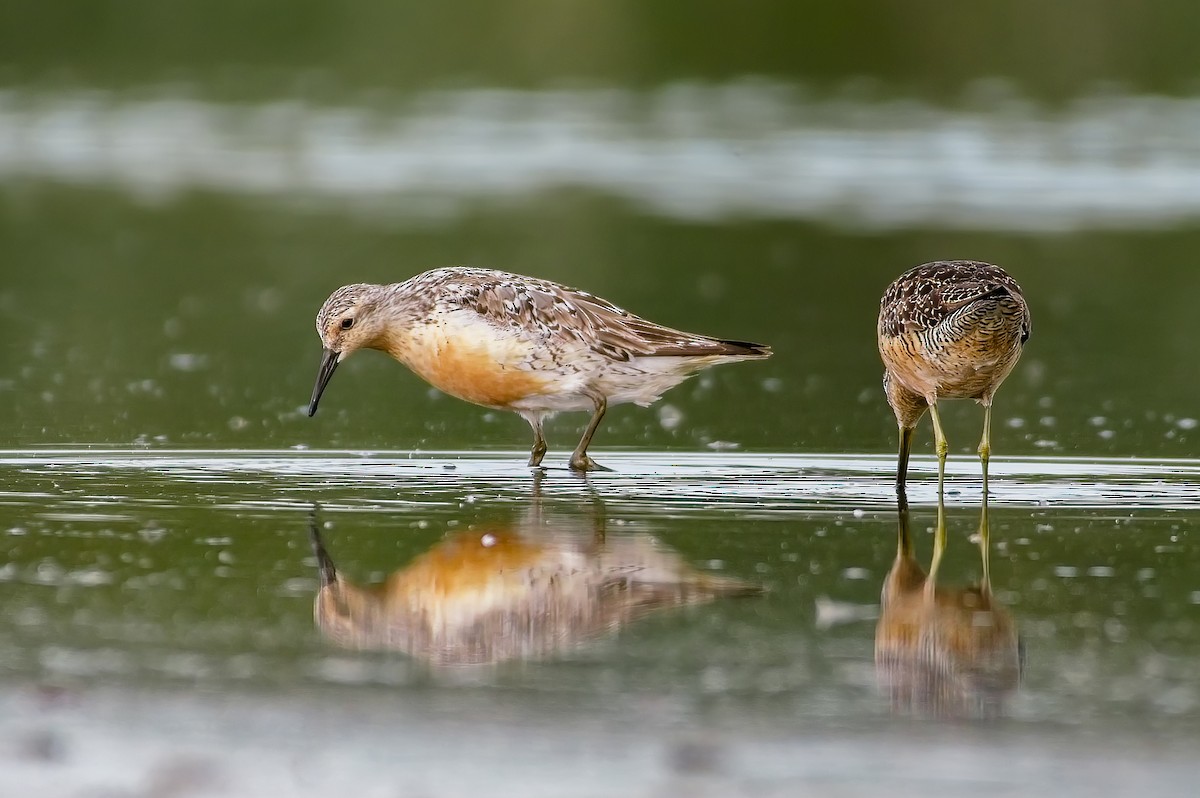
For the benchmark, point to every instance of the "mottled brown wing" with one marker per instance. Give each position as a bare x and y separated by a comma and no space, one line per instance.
925,296
541,305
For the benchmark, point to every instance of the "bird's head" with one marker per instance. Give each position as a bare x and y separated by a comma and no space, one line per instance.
348,321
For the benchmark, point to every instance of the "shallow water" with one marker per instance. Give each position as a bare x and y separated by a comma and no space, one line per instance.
160,625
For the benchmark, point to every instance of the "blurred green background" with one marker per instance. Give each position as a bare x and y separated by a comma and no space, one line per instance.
182,184
925,48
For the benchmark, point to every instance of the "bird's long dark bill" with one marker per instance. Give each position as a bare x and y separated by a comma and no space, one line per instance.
329,361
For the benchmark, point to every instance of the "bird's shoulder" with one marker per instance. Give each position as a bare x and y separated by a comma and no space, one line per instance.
924,297
546,310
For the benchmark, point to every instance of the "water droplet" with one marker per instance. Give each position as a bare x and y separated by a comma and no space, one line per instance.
669,416
185,361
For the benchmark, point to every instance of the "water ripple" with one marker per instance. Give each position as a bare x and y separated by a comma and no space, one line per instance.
672,483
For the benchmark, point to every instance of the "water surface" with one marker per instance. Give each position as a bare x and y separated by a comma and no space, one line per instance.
167,597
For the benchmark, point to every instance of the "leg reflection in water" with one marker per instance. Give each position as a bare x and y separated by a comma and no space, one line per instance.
941,650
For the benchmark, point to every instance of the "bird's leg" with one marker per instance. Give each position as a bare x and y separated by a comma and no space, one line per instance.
940,445
539,442
579,458
906,437
985,448
985,445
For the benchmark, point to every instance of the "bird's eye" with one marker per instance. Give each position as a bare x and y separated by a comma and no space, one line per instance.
347,323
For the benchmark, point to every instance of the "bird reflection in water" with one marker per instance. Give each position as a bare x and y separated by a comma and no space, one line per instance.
524,590
940,650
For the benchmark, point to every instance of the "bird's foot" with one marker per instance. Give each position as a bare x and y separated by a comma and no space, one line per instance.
584,463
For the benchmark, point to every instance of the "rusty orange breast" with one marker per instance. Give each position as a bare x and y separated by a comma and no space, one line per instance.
469,362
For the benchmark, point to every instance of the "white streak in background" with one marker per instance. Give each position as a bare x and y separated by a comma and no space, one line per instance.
751,150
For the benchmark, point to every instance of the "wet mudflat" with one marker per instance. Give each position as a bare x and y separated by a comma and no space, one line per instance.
159,626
